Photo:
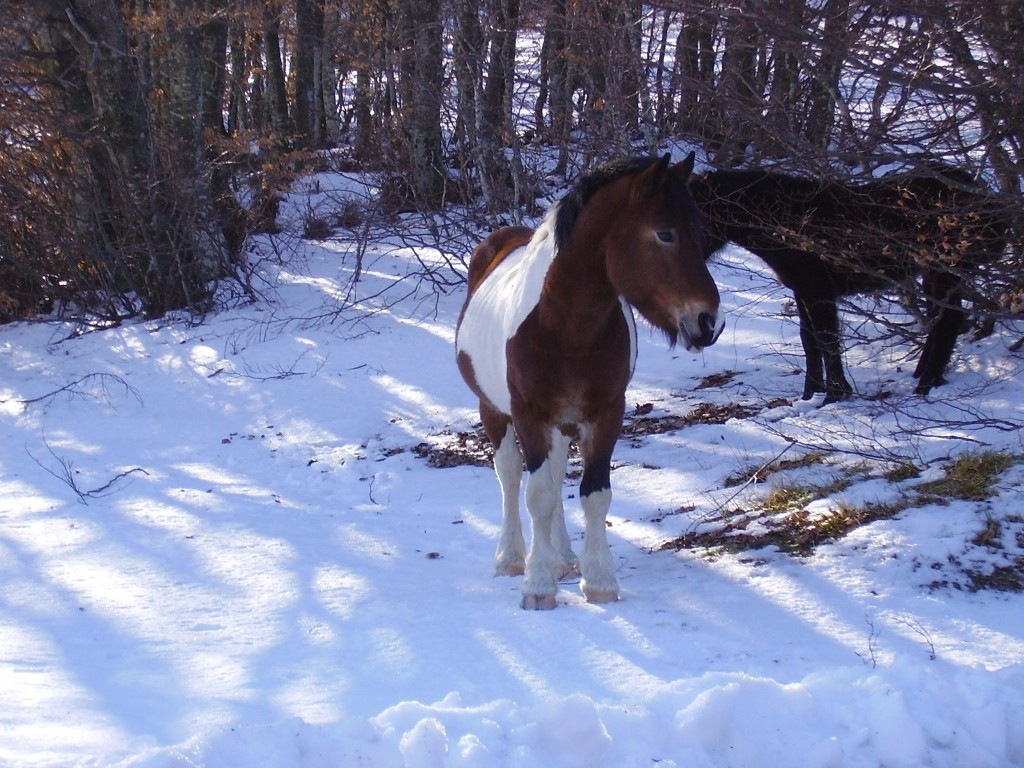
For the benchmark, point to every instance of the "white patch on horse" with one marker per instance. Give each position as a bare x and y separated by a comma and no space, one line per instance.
597,566
500,305
543,565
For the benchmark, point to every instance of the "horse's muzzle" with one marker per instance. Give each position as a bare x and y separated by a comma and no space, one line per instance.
708,328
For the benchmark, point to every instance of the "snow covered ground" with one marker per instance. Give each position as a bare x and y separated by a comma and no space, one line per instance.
221,545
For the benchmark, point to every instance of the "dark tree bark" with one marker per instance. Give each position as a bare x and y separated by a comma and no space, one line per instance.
369,42
557,69
783,108
606,43
214,53
276,92
497,103
242,94
737,97
421,75
476,144
825,83
695,52
310,120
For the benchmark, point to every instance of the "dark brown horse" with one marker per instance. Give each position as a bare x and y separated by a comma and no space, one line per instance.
546,341
825,239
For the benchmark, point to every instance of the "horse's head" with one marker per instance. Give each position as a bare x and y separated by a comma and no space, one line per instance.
657,256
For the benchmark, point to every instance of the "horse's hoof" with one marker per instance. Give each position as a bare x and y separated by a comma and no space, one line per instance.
605,592
509,569
538,602
600,596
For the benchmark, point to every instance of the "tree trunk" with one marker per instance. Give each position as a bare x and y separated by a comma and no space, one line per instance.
276,93
695,52
214,54
825,84
495,130
784,93
242,94
559,88
420,84
467,65
310,121
737,96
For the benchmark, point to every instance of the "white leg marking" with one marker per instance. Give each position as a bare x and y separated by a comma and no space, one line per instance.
510,557
542,566
559,460
599,584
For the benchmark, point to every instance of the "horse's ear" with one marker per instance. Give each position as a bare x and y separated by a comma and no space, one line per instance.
684,168
651,180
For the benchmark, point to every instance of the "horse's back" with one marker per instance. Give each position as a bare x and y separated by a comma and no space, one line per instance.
493,250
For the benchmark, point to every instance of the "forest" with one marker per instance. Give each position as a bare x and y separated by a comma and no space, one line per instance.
249,512
143,141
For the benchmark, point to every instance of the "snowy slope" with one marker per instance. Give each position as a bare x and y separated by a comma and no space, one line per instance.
220,546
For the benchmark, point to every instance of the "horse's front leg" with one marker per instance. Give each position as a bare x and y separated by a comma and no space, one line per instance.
597,566
945,294
544,564
824,320
559,454
814,377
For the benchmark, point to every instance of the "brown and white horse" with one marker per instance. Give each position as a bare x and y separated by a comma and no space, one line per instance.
546,340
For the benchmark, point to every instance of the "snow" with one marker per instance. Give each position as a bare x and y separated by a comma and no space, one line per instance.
219,548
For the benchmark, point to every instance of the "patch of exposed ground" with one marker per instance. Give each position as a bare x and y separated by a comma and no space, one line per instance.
796,518
472,448
457,449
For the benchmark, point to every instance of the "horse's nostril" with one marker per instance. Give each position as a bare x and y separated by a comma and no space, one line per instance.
706,323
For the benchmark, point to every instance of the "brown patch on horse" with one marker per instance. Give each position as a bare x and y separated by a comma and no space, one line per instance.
492,251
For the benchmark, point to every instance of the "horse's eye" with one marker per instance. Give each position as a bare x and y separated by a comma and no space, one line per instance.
666,235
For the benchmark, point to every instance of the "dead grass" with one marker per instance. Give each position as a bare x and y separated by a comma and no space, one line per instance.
970,477
761,473
786,517
782,519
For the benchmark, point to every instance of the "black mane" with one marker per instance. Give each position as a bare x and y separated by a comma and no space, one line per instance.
570,206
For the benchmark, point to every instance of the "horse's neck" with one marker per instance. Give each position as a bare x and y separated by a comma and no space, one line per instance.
577,288
713,221
742,210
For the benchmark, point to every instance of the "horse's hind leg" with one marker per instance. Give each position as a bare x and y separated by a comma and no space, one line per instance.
510,556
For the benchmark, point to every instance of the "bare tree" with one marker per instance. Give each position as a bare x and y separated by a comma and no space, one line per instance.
276,94
419,28
309,113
